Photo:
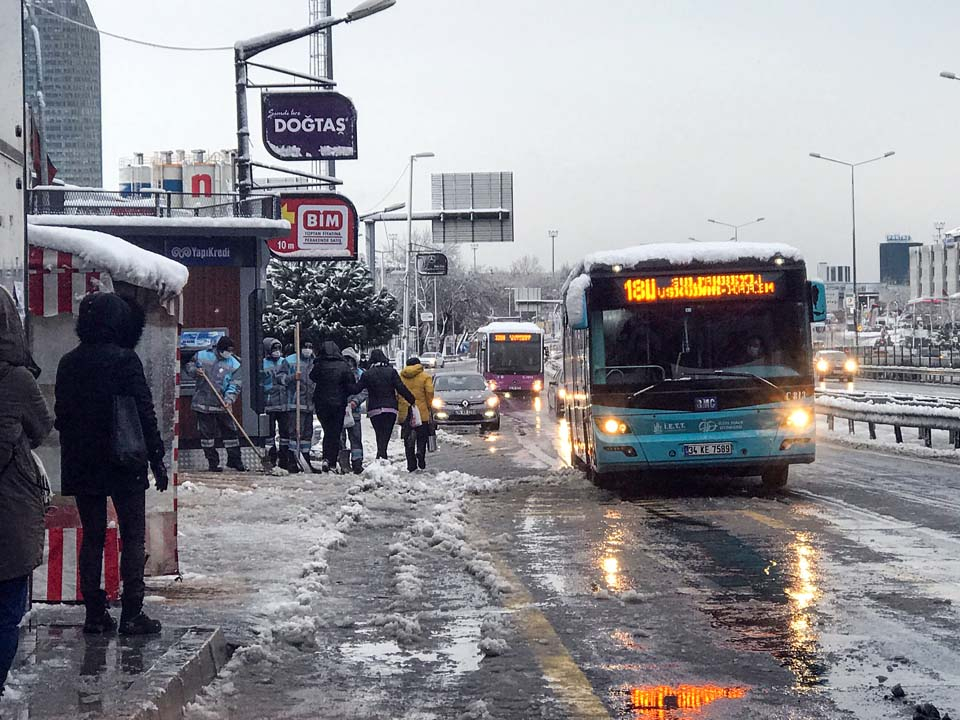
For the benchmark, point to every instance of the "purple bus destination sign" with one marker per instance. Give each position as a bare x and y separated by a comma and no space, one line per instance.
309,126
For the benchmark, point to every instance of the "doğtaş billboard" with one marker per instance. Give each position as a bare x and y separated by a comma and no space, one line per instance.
323,226
309,126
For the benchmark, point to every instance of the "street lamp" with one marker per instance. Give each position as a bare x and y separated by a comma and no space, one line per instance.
243,50
553,251
406,274
853,225
736,228
369,232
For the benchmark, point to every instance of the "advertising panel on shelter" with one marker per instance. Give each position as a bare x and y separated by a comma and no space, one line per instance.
319,125
323,226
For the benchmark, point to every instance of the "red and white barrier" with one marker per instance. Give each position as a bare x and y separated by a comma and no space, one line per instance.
59,280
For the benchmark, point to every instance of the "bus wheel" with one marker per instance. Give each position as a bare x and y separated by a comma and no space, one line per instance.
776,478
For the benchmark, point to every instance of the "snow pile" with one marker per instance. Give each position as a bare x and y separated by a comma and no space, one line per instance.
511,327
896,410
122,260
192,222
687,254
575,299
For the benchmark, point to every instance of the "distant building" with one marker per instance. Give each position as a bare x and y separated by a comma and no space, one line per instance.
200,173
934,271
71,88
895,259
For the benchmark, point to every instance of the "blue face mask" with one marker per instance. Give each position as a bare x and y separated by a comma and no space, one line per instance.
226,354
307,352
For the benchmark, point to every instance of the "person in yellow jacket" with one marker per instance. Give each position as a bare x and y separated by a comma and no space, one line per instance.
415,439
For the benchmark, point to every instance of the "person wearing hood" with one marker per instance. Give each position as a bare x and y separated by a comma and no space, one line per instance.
25,421
351,441
335,383
274,376
302,441
420,384
90,378
382,383
219,365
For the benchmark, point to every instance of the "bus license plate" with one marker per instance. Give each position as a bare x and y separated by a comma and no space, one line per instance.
708,449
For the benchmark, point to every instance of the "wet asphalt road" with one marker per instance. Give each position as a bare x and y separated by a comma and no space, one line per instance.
710,598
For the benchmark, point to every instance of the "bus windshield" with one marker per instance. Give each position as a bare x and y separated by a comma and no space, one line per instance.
646,345
516,358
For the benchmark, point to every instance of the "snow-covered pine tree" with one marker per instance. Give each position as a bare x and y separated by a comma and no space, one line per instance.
331,301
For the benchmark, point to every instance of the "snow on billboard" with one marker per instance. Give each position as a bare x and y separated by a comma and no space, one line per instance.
323,226
309,125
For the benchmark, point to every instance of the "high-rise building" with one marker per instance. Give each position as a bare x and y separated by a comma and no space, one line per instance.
895,259
70,57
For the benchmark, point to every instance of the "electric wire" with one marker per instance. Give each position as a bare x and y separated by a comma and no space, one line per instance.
377,205
160,46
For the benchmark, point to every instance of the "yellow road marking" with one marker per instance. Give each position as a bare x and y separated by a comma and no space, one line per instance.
765,520
565,677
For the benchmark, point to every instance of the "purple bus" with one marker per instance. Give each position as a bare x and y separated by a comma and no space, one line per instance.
510,356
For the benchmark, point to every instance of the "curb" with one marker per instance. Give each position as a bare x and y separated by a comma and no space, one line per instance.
178,676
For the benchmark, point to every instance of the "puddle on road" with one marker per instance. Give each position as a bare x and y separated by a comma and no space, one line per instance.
458,653
681,702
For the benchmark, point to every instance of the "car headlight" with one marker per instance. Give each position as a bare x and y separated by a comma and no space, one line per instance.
850,365
561,393
612,425
493,401
437,403
537,385
799,419
492,384
823,365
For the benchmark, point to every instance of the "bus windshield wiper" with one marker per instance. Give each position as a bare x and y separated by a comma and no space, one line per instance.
728,373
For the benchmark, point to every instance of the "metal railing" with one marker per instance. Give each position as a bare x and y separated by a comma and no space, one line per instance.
907,356
55,200
925,413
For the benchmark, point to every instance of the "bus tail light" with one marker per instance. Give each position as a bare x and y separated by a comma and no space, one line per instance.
612,425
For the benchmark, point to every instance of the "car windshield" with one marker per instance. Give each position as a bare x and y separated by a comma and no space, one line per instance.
640,345
430,355
452,383
832,356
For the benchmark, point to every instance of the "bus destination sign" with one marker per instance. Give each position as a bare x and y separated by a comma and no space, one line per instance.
701,287
513,337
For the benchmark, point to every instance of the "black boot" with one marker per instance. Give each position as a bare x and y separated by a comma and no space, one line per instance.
98,620
140,624
234,462
293,464
306,459
357,466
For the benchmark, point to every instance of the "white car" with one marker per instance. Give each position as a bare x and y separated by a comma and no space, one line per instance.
432,360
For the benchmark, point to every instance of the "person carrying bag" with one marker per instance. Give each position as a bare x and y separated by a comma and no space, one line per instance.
417,414
383,386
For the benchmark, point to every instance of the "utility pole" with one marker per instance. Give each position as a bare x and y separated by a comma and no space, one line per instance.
553,251
321,61
474,247
939,225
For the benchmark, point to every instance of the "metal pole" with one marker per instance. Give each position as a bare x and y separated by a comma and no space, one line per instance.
328,62
243,131
369,232
474,246
856,294
406,271
553,251
436,314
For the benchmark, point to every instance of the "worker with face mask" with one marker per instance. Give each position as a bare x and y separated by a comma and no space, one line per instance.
274,375
220,366
301,442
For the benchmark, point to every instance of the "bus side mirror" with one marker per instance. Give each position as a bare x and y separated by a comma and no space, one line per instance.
577,308
818,301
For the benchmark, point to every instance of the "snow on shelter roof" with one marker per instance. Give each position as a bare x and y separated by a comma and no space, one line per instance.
122,260
502,326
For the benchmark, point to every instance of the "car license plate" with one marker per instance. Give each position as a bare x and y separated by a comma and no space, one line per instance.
462,411
708,449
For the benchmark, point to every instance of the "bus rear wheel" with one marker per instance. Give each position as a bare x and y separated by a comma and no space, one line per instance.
776,477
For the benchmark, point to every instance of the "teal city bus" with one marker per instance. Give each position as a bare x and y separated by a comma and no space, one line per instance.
691,357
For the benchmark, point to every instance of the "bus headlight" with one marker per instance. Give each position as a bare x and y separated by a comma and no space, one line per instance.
561,393
493,401
537,385
437,403
823,366
851,366
799,419
492,384
612,425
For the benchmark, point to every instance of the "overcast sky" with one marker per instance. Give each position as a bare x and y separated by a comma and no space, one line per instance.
624,121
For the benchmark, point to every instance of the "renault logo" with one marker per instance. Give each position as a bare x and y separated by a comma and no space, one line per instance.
465,403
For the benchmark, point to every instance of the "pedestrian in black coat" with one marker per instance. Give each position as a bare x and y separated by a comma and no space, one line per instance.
383,384
335,383
103,367
25,421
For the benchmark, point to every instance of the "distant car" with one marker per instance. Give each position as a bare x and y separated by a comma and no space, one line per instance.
432,360
463,398
835,364
556,393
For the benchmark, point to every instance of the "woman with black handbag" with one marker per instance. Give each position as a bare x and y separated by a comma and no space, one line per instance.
25,421
108,436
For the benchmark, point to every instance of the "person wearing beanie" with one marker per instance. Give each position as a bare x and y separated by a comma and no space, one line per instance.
383,385
222,368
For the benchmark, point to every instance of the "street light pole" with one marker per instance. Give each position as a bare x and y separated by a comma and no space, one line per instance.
853,232
553,251
736,228
406,274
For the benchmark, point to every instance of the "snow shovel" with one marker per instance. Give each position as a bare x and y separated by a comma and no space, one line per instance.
223,404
